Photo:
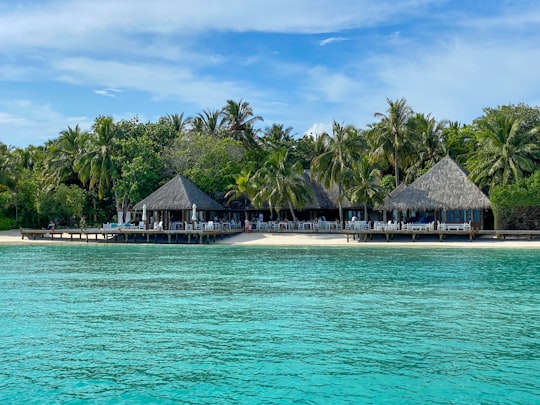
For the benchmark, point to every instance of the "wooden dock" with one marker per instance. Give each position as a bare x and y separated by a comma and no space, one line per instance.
127,235
209,236
365,235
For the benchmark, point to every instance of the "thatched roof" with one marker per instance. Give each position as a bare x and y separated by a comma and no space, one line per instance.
386,204
323,198
446,186
178,194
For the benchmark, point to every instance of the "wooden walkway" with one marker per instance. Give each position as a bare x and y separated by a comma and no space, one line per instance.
127,235
197,236
365,235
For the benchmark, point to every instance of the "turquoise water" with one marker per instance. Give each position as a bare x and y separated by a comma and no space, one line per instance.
122,324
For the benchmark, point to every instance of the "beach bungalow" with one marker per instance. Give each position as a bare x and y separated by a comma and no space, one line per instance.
174,203
443,194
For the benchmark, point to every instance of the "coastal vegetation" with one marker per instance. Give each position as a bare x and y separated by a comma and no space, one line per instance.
230,155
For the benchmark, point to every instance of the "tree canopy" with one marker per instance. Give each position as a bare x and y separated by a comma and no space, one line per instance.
114,164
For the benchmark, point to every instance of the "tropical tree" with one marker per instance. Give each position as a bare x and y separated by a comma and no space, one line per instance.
365,184
139,169
340,151
277,137
243,188
62,153
208,162
209,122
281,182
239,118
390,135
6,166
506,150
97,165
178,123
459,140
425,137
308,148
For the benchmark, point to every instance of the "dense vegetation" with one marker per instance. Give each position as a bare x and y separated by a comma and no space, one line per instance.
93,174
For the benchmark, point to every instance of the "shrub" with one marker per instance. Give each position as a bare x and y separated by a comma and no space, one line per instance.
517,206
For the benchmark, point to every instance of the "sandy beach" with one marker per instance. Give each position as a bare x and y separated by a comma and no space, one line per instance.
13,237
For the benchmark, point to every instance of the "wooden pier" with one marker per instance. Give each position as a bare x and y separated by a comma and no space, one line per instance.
209,236
368,234
133,235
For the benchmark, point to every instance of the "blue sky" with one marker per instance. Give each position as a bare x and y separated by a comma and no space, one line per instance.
302,63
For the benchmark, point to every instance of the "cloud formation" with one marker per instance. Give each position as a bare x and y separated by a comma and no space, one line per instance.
447,58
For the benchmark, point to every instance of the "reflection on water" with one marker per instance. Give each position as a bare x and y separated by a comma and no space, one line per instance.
205,324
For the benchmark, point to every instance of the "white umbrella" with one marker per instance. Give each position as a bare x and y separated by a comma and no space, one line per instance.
194,212
144,212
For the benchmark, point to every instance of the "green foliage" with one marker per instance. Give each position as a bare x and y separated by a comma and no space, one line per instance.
209,162
139,167
459,141
5,223
388,182
390,136
118,164
506,147
517,206
63,205
280,182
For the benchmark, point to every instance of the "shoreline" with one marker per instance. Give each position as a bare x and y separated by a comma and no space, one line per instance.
13,237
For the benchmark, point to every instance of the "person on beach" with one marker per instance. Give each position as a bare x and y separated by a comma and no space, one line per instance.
247,225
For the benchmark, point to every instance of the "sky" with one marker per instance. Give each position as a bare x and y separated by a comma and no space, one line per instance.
300,63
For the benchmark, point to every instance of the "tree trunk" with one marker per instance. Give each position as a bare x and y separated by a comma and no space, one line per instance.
365,212
292,211
396,167
340,208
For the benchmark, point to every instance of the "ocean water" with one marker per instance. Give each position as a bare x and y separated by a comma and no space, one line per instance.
211,324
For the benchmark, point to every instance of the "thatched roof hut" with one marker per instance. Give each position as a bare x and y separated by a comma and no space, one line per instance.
323,198
386,205
445,187
176,195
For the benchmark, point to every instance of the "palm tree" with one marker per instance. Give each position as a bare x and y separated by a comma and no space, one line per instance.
209,122
243,187
426,140
505,151
6,166
97,164
281,182
177,122
391,133
240,120
365,181
277,136
334,164
63,153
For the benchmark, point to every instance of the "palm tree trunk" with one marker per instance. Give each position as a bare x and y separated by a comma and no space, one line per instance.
292,210
365,212
396,167
340,208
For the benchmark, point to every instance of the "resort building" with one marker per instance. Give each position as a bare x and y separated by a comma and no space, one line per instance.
443,194
178,202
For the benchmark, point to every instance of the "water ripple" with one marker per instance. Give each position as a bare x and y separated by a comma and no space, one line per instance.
214,324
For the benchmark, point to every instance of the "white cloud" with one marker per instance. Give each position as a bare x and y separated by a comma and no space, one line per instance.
23,122
319,128
456,80
330,40
167,51
108,92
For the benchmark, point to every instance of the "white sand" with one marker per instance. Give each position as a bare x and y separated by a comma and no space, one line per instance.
306,239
